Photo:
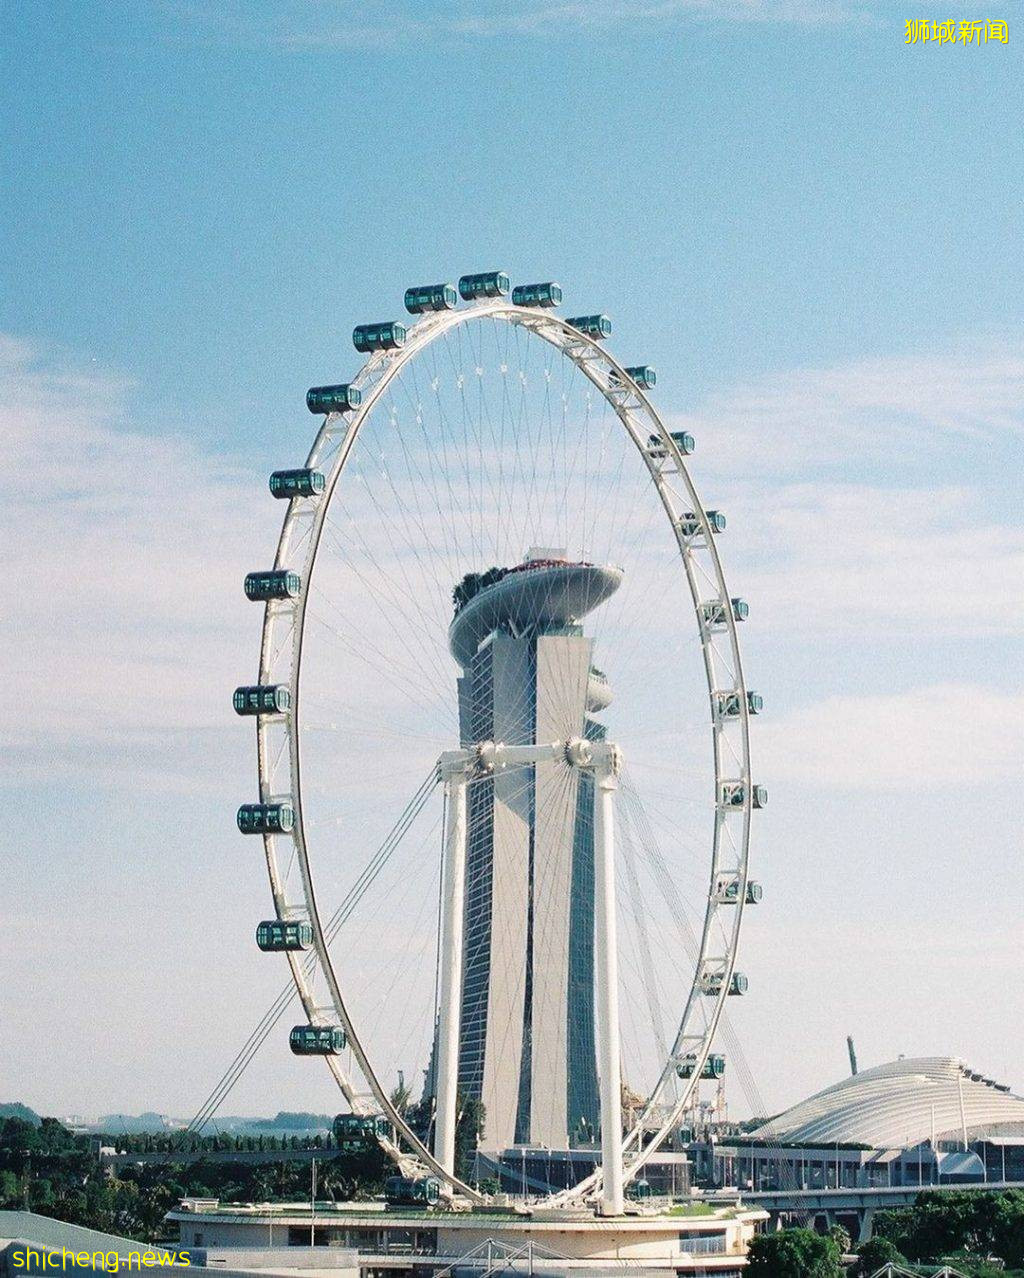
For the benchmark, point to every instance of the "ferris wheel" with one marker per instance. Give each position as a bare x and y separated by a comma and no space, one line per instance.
490,506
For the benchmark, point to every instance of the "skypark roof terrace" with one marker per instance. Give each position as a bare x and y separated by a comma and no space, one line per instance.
536,594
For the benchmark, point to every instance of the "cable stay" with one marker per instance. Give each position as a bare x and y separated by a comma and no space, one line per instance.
288,992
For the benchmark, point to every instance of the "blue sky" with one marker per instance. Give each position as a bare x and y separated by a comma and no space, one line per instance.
813,231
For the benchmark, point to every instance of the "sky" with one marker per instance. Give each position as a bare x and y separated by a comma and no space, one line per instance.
810,227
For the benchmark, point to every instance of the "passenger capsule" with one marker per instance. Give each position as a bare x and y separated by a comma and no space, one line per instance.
297,483
682,439
596,326
389,336
276,936
644,376
689,524
266,818
317,1040
333,399
410,1191
275,583
730,892
487,284
712,983
713,612
431,297
729,704
714,1066
734,795
359,1131
537,294
270,698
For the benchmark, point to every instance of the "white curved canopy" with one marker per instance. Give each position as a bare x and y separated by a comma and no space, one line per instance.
901,1104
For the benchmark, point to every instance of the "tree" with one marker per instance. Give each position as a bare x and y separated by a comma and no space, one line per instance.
468,1129
420,1117
873,1254
10,1190
840,1235
793,1253
969,1222
401,1096
1008,1228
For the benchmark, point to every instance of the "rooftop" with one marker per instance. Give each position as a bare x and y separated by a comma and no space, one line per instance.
543,591
44,1231
538,1217
902,1104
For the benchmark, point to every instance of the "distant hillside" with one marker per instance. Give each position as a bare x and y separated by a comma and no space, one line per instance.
151,1124
133,1124
286,1121
15,1109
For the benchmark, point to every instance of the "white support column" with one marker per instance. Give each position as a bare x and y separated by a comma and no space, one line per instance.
606,984
450,992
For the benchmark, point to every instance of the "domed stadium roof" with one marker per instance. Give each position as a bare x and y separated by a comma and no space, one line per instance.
902,1104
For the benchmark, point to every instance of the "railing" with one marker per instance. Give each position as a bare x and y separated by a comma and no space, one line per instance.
501,1256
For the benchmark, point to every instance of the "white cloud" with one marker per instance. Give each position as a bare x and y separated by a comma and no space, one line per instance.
126,622
820,420
939,735
860,561
872,495
299,25
534,18
127,628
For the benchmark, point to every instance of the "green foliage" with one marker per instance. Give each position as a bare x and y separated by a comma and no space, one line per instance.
840,1235
473,582
872,1255
401,1096
793,1253
975,1268
47,1168
972,1222
468,1131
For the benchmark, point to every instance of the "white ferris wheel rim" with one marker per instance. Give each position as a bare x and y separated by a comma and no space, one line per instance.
281,653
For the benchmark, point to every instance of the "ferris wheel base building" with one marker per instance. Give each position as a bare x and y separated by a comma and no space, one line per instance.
365,1240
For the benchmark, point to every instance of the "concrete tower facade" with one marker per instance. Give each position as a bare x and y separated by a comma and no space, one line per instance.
527,1048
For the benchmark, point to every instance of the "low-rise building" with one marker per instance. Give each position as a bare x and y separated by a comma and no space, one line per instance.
686,1238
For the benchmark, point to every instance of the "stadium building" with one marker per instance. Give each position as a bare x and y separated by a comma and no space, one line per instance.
918,1121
